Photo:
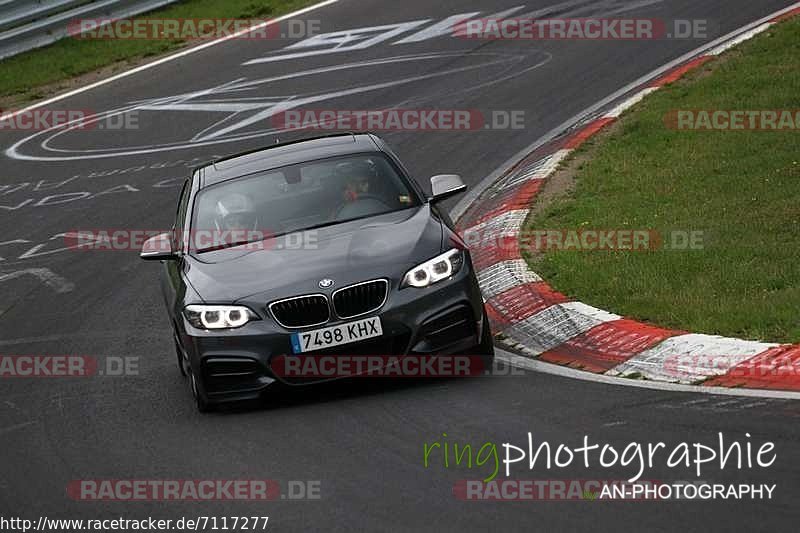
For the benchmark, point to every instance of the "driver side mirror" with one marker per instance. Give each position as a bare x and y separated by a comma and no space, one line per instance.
446,185
158,248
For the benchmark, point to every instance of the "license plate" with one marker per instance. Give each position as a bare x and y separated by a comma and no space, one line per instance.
318,339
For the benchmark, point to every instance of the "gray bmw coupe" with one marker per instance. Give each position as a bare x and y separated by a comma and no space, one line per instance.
320,247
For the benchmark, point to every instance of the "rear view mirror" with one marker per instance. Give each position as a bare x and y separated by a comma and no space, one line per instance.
446,185
158,248
292,175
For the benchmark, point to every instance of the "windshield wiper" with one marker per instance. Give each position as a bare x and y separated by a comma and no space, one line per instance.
225,245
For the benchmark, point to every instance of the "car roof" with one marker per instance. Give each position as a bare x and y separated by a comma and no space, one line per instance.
283,154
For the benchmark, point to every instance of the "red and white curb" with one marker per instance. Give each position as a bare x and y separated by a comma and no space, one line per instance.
532,318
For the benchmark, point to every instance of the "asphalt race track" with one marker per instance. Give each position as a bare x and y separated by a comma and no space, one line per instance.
363,441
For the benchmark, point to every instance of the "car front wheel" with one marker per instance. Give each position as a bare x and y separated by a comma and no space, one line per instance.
200,399
486,346
180,356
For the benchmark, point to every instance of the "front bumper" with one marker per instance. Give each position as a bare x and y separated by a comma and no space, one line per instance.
240,364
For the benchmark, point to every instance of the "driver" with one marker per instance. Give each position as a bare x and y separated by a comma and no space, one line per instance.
358,178
235,211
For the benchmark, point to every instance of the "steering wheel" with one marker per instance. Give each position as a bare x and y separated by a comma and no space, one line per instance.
364,205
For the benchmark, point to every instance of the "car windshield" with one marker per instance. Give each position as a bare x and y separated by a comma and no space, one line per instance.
300,197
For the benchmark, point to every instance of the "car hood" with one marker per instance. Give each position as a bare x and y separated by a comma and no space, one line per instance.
383,246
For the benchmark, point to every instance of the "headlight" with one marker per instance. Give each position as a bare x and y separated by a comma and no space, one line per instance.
218,316
435,270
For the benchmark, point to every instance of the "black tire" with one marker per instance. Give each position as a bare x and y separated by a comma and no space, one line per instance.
200,399
179,354
486,346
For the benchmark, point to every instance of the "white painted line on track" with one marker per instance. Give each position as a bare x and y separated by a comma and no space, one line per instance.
45,275
167,59
15,427
630,102
746,36
526,363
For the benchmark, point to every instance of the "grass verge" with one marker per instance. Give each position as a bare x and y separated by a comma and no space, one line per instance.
740,189
38,73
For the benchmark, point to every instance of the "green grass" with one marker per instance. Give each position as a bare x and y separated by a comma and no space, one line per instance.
741,189
21,75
